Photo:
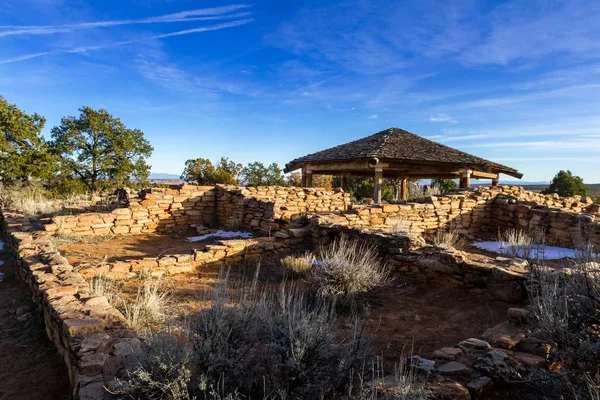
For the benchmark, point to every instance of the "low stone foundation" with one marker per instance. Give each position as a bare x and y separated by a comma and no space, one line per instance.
90,335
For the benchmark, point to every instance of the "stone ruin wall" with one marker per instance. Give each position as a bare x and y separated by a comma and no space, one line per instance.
485,210
90,335
262,209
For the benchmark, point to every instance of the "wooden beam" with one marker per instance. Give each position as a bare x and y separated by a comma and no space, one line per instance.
378,184
495,181
403,191
485,175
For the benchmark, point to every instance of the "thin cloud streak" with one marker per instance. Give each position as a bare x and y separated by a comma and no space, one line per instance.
121,43
205,14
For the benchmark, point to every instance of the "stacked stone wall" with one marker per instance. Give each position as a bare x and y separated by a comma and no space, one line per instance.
263,209
89,334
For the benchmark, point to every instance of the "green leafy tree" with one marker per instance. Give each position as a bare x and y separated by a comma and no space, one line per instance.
566,184
202,172
97,147
23,150
445,185
256,174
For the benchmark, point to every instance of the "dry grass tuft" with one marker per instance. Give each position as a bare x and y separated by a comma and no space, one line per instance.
450,239
348,268
298,266
149,306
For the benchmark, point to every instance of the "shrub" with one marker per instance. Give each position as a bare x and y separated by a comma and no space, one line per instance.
566,309
304,356
298,266
566,184
403,384
249,343
517,243
348,268
162,373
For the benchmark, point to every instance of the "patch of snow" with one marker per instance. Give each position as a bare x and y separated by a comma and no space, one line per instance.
1,276
539,251
1,245
1,262
221,234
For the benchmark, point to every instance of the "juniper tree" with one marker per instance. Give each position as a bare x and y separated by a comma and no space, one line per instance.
96,147
23,150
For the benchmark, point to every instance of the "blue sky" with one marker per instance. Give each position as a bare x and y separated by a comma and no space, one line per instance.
517,82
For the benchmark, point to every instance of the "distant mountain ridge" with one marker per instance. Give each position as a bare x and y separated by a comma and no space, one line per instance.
163,175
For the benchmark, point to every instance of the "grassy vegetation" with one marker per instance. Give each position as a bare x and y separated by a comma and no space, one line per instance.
347,269
298,266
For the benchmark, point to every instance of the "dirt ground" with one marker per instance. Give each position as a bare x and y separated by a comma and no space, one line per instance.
30,367
121,248
404,318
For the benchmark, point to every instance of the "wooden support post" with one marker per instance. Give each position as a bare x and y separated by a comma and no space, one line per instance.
465,179
344,181
309,177
403,189
378,184
495,182
304,176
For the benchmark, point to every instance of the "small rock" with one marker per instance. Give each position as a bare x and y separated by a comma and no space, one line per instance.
421,364
518,315
480,388
447,353
505,335
24,317
529,360
455,369
535,346
447,389
474,345
498,365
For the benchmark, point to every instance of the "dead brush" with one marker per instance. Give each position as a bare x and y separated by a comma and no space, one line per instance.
374,383
450,239
101,285
297,266
148,307
249,342
348,268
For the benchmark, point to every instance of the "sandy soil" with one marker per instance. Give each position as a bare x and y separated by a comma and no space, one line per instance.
129,247
405,317
402,318
30,367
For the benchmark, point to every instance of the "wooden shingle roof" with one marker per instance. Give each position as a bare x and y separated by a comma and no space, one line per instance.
399,145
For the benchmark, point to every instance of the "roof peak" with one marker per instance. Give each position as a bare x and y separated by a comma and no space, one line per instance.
398,144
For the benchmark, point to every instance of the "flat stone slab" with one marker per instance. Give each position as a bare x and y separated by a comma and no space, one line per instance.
454,368
474,345
505,335
529,360
481,387
447,353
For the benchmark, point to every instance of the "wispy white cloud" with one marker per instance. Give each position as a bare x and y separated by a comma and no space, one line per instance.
374,116
83,49
203,14
442,118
